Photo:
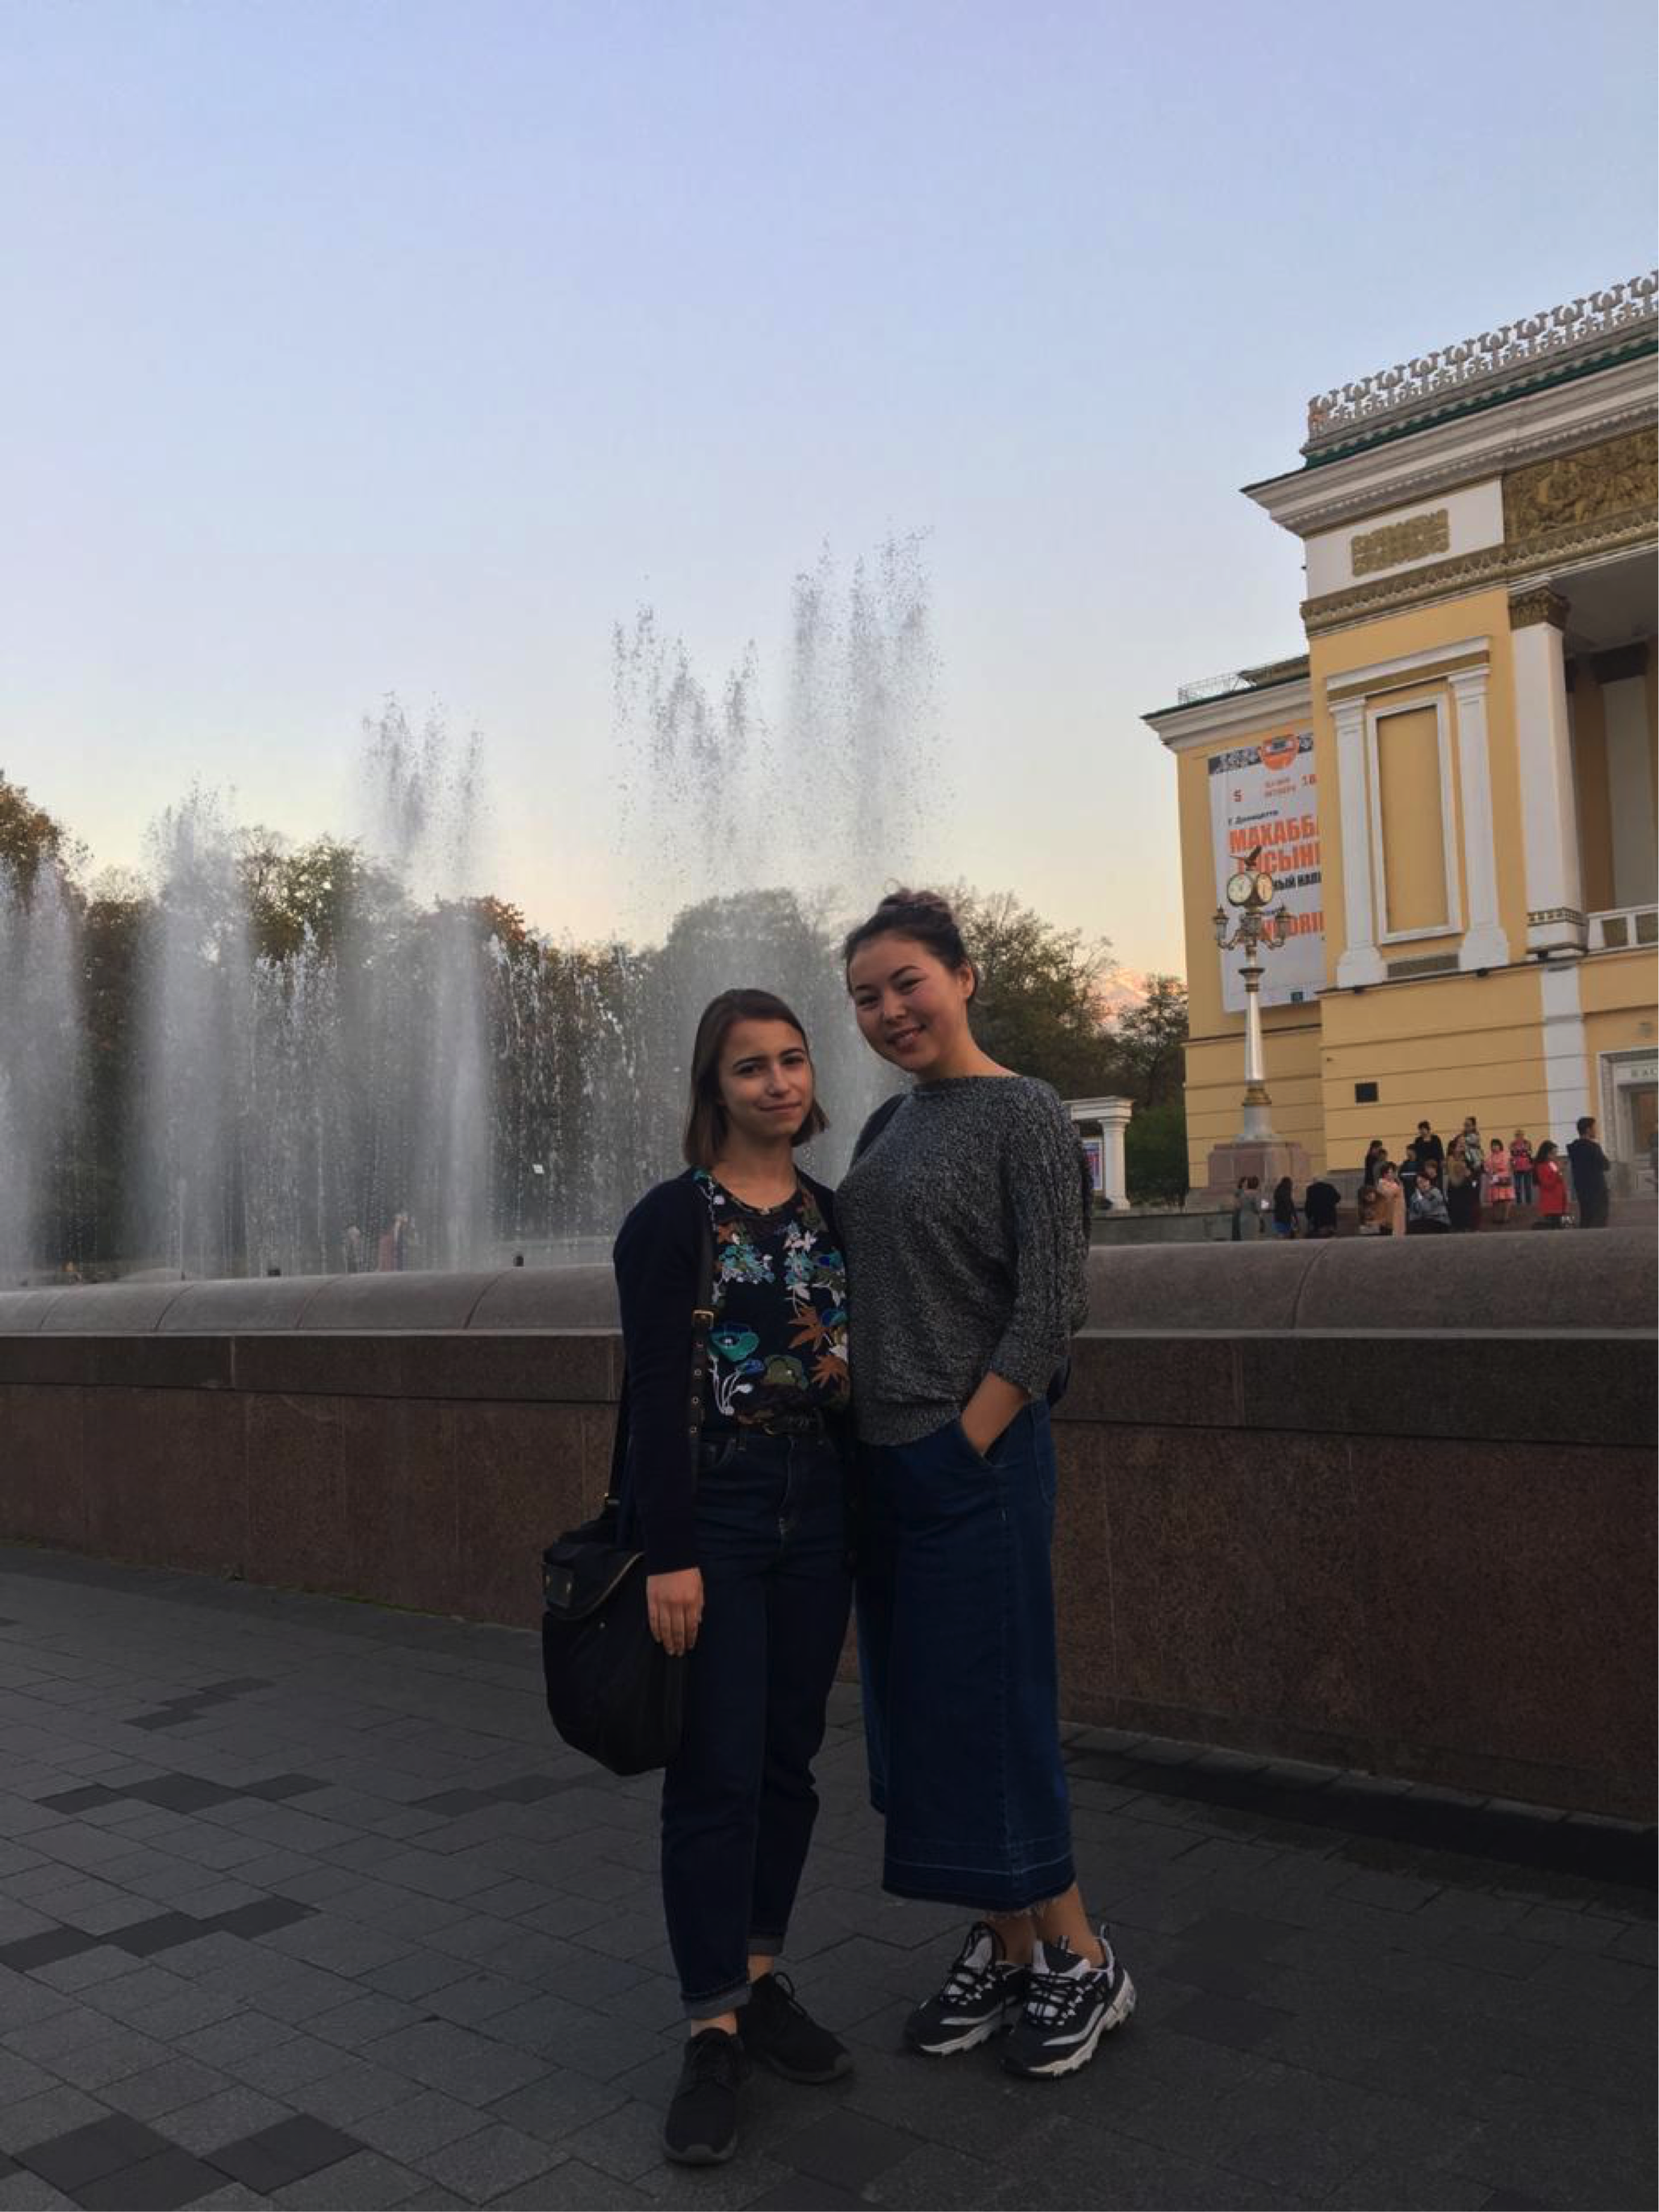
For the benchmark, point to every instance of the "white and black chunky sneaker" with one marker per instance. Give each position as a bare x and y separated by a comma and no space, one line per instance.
1069,2006
983,1993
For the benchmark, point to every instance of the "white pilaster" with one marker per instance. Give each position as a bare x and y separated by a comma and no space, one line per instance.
1549,813
1360,961
1566,1076
1484,943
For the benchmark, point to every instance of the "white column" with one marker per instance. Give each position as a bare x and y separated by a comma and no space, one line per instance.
1485,944
1549,811
1256,1124
1114,1121
1111,1117
1567,1075
1360,961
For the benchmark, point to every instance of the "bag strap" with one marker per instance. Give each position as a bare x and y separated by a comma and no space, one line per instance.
702,1320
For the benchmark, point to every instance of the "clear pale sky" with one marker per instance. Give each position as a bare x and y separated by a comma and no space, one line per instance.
359,348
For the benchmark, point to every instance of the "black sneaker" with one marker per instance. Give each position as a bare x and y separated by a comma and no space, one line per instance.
777,2029
983,1993
701,2127
1070,2006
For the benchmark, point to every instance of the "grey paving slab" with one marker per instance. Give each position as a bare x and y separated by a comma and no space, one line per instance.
348,1907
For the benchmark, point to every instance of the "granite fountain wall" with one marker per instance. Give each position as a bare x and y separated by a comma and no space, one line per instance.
1389,1506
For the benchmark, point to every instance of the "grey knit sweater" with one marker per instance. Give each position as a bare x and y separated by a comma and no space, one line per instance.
965,1244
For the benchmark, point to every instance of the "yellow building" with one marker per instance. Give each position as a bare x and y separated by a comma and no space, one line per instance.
1456,785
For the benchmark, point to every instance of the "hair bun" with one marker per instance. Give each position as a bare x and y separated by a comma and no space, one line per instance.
909,901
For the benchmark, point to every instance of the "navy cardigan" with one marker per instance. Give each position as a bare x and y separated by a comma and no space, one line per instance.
657,1254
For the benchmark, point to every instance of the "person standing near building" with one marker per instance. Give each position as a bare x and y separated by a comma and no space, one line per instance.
967,1246
1462,1186
746,1560
1319,1204
1375,1152
1284,1222
1500,1181
1590,1166
1428,1146
1552,1189
1392,1193
1521,1167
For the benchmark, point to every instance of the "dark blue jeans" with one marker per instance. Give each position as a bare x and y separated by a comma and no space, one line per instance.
960,1672
738,1800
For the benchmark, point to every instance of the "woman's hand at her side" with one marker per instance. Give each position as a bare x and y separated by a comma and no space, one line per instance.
674,1608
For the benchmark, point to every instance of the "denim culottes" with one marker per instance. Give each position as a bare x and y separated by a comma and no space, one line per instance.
955,1618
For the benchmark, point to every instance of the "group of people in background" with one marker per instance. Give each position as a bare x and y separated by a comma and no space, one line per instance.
1436,1190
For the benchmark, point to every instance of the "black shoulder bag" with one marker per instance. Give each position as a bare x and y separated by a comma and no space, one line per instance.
612,1691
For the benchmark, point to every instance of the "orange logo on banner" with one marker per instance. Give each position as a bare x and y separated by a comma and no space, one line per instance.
1278,752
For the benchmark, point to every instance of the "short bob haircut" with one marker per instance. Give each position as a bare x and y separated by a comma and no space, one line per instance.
706,1119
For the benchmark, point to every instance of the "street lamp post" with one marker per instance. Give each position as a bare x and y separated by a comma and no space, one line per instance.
1259,925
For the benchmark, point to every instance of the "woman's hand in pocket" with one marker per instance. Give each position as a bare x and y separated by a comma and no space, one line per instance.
673,1606
986,1417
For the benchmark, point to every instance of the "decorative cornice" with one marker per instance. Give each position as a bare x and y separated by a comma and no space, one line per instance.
1467,656
1435,461
1473,572
1617,477
1199,722
1508,359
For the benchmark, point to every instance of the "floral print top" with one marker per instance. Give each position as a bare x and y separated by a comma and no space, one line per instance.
777,1351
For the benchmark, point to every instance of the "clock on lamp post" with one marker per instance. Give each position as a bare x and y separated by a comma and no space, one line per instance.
1250,893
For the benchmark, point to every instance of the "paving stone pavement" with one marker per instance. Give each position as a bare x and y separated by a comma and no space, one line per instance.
301,1903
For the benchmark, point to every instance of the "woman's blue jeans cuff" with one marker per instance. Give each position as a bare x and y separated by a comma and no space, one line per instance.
729,1999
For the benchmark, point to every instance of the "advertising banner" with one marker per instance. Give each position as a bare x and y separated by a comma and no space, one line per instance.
1264,795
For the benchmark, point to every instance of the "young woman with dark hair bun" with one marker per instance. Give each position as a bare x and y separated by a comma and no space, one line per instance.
746,1567
966,1231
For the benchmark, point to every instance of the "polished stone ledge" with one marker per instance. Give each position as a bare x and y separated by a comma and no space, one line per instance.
1568,1282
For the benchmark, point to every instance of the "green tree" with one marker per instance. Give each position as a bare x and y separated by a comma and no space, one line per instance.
1150,1041
29,836
1155,1153
1038,1005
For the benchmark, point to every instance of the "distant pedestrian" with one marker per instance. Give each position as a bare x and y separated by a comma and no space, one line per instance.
1552,1188
1462,1186
354,1251
1320,1204
1427,1146
1521,1167
1392,1192
1284,1212
1499,1181
1375,1152
1589,1165
1472,1144
1371,1211
1245,1209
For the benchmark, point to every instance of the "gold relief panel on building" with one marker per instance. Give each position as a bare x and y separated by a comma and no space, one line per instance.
1419,538
1616,477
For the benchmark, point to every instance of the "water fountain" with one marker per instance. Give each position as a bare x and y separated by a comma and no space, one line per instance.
345,1057
42,1071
